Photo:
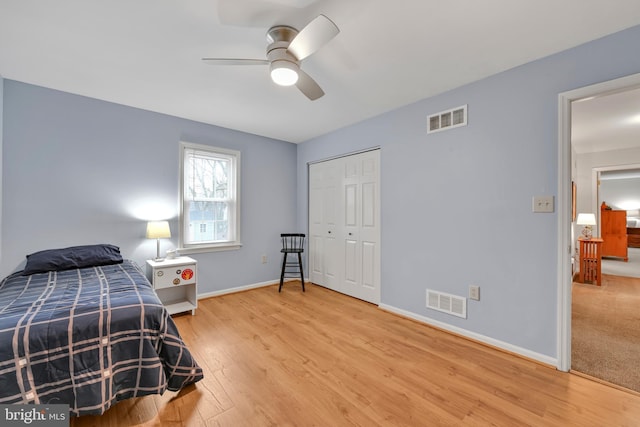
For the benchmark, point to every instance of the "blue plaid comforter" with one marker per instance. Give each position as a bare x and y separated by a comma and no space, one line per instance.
88,338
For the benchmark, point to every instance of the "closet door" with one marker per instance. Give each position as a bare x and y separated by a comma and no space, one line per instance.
323,219
354,257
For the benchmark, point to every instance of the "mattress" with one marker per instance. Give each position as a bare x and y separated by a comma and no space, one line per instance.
88,337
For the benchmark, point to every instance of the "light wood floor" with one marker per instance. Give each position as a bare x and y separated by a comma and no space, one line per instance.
325,359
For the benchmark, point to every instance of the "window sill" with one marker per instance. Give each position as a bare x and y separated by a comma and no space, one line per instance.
216,248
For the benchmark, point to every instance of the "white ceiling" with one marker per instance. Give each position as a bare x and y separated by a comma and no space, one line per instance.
608,122
147,53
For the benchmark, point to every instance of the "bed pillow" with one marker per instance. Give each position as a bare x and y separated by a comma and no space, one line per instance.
72,257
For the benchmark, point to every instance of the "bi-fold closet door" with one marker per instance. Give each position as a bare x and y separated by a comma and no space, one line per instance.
344,225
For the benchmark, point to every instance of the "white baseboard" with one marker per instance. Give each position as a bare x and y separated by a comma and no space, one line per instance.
244,288
473,335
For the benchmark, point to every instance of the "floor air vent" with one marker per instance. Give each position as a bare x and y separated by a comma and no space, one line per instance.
447,303
447,119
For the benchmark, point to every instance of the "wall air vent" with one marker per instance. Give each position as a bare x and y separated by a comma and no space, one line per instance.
449,119
447,303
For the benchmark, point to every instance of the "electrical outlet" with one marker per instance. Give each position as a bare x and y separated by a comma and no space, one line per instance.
474,292
543,204
264,259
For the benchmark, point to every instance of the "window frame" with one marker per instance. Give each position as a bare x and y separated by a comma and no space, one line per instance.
234,217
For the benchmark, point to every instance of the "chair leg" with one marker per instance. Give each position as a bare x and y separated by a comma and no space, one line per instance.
284,265
301,272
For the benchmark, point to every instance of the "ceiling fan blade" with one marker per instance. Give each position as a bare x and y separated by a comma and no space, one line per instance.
308,86
312,37
235,61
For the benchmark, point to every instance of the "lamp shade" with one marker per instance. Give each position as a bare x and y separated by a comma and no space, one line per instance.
158,230
586,219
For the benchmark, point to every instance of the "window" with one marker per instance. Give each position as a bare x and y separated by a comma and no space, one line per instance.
209,198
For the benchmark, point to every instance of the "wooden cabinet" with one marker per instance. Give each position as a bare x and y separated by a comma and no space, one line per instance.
613,231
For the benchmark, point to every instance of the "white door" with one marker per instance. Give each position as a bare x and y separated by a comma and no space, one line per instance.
344,222
323,199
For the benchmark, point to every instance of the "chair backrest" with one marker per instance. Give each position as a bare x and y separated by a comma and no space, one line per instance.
292,242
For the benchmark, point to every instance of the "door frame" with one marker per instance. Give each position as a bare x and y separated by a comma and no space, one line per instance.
564,276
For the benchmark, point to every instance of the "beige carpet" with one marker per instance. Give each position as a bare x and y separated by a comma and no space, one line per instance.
617,267
605,330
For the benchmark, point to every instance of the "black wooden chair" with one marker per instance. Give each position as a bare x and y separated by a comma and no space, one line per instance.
292,243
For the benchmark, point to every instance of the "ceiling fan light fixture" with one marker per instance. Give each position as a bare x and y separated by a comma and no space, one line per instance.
284,73
287,48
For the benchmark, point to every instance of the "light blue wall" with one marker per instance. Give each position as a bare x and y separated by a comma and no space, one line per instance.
456,205
621,193
81,171
583,174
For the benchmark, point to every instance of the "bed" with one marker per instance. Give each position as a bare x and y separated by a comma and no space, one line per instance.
633,232
88,333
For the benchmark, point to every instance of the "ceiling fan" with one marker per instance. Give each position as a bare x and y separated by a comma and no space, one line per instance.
287,48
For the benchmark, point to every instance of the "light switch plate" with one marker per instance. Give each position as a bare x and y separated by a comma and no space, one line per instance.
474,292
543,204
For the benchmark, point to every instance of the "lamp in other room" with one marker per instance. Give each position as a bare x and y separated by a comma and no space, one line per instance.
158,230
587,220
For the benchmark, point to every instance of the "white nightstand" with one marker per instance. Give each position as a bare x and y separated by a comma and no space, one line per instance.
175,282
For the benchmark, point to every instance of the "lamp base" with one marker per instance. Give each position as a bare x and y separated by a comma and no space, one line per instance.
158,258
587,233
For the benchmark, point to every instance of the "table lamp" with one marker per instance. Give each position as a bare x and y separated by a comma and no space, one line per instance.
587,220
158,230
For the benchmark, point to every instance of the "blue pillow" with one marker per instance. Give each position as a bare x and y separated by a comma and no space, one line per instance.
72,257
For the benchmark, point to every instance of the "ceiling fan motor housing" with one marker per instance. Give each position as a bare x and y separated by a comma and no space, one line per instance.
279,39
280,58
281,33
